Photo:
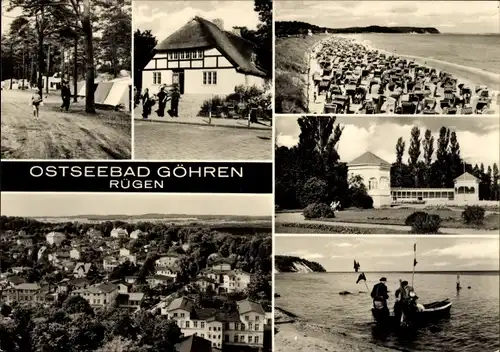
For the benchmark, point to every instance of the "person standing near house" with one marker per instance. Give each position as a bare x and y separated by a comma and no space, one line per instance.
66,96
175,95
146,104
162,102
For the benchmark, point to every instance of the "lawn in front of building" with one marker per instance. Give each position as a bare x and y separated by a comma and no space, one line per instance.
451,217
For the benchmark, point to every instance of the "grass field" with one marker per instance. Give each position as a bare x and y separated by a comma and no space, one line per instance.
60,135
291,66
323,229
397,216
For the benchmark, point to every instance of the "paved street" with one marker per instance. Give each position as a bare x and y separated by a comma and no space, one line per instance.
165,141
60,135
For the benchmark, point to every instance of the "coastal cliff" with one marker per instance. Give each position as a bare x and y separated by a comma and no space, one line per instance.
290,264
285,28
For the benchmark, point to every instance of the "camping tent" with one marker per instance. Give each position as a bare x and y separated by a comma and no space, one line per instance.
110,93
119,93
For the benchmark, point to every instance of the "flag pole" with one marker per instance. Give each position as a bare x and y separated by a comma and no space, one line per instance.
414,263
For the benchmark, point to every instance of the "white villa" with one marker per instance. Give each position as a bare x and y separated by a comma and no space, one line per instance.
377,177
222,279
202,58
55,238
376,174
243,326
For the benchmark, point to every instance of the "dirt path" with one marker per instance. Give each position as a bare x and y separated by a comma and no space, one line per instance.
299,218
60,135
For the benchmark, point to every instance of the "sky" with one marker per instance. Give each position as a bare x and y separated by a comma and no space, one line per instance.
165,17
390,254
67,204
8,17
479,137
446,16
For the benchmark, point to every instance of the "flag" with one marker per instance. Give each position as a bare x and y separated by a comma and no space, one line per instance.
356,265
361,277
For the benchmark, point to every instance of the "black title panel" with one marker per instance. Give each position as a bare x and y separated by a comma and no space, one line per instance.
140,177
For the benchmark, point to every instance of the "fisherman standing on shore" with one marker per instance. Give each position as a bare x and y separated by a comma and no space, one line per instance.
380,296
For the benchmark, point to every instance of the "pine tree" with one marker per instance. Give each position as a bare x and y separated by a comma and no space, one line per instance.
488,184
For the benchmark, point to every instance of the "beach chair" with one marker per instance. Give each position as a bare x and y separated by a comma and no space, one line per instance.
451,111
466,110
330,109
408,108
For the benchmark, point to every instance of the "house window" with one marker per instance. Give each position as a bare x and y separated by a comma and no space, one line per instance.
202,324
202,335
247,318
372,183
175,314
235,326
210,78
257,318
195,324
249,326
175,55
249,339
182,315
256,327
187,324
256,339
156,77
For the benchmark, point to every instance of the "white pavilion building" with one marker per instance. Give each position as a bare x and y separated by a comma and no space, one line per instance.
376,174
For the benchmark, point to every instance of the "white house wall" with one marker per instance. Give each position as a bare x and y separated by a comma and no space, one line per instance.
213,60
381,195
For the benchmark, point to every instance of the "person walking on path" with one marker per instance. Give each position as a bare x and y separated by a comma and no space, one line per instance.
162,102
66,96
36,101
175,95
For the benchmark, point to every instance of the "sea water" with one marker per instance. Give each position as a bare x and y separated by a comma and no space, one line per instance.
473,325
474,57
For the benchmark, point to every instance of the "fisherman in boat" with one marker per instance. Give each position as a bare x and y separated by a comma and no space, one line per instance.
380,296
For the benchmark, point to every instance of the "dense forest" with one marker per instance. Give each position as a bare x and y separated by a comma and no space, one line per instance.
285,264
284,28
74,39
311,171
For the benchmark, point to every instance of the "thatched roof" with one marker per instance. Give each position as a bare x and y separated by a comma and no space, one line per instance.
200,33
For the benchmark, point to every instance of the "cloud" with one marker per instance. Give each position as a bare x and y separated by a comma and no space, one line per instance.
287,140
165,17
454,15
306,255
479,249
344,244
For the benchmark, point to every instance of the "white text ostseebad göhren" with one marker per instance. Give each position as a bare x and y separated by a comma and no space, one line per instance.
106,171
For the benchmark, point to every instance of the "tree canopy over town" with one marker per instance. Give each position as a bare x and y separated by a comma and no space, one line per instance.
69,323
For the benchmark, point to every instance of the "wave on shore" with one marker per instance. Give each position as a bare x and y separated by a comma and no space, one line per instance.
297,335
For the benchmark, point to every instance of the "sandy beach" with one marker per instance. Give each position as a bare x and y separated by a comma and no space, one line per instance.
437,88
300,336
